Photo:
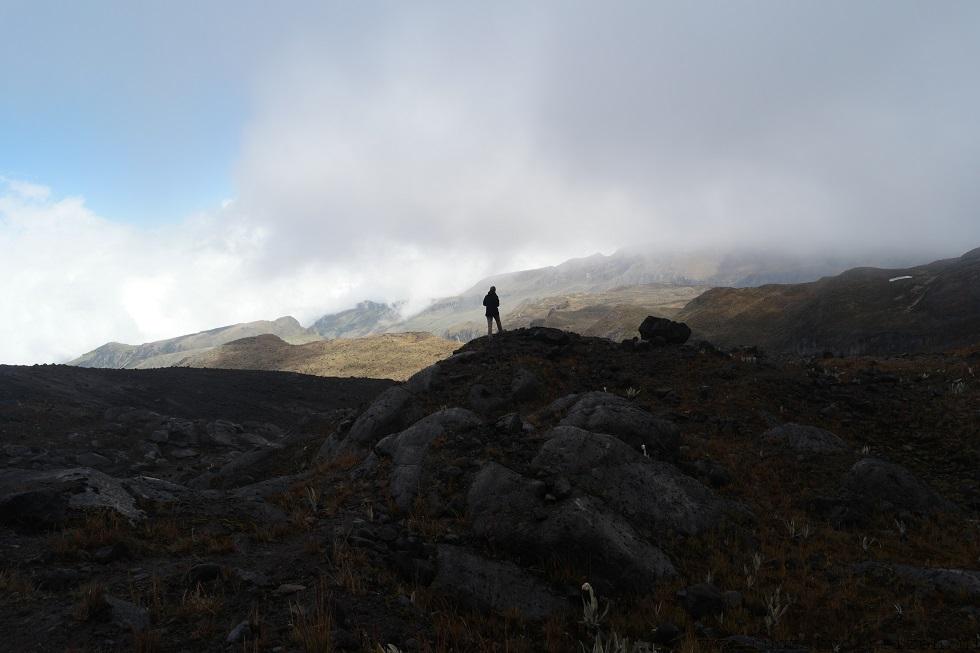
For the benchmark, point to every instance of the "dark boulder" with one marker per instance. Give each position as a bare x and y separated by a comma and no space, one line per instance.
881,486
128,616
746,644
603,412
702,600
510,511
654,495
802,439
42,500
954,583
525,386
485,584
392,411
873,487
484,400
409,448
656,328
711,471
548,335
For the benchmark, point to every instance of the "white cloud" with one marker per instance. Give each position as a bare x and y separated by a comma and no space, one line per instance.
73,280
582,127
400,152
27,190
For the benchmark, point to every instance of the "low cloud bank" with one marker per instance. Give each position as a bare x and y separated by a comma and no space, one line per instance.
73,280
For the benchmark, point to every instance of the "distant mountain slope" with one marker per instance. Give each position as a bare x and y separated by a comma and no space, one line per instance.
862,311
388,356
365,319
461,316
614,314
163,353
537,296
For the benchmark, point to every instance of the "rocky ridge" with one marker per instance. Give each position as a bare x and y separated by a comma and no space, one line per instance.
717,499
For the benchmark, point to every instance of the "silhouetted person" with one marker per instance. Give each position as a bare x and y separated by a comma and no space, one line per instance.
492,302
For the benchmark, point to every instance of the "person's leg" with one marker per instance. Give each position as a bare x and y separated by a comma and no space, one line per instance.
489,327
500,329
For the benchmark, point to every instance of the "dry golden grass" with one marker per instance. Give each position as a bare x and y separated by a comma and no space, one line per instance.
274,532
421,523
91,602
198,602
16,584
388,356
457,629
96,530
342,462
312,629
350,567
146,641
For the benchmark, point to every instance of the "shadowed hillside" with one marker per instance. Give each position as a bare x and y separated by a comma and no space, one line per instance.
862,311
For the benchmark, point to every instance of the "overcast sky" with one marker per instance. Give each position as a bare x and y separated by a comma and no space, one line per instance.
173,166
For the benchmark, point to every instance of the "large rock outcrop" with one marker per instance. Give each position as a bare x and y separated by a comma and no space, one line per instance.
803,440
659,330
887,487
656,495
509,510
874,487
408,449
486,584
604,412
45,499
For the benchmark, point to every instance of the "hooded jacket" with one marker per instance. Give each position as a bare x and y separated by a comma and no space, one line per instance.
492,302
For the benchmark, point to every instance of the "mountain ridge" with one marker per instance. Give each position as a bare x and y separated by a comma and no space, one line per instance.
539,296
162,353
863,310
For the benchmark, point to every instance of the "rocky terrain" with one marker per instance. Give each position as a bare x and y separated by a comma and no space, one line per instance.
163,353
711,500
389,356
930,307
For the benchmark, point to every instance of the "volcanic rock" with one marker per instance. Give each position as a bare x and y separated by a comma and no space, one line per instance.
886,487
509,509
44,499
491,585
673,333
656,494
407,450
804,439
603,412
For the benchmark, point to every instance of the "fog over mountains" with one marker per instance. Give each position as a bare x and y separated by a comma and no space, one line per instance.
598,295
237,165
